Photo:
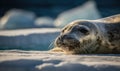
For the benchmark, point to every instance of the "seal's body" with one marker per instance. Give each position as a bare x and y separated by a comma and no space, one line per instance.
91,36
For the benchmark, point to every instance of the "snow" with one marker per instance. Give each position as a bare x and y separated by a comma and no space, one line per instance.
28,31
17,19
86,11
44,22
16,60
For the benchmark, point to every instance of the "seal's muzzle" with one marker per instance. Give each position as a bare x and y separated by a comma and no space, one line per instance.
66,41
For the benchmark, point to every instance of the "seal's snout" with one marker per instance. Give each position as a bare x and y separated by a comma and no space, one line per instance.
66,41
66,37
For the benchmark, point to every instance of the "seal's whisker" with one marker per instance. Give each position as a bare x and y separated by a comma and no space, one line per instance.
51,45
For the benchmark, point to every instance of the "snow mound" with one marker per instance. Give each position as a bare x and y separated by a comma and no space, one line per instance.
46,22
86,11
17,19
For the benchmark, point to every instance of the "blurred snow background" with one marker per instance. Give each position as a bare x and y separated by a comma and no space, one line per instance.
28,39
86,11
22,29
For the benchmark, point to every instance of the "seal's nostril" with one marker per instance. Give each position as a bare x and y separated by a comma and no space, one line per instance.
64,36
59,38
69,37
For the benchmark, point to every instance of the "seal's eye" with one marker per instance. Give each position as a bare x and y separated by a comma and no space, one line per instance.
83,30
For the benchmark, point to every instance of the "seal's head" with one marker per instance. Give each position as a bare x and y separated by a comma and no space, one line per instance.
77,37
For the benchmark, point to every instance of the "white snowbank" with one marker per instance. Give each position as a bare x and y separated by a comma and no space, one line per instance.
17,19
86,11
44,22
16,60
28,39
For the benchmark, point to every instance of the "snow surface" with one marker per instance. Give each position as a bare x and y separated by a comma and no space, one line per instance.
16,60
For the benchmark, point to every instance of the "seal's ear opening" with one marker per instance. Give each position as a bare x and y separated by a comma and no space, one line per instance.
111,19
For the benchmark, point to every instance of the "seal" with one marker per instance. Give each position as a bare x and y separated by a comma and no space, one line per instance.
100,36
